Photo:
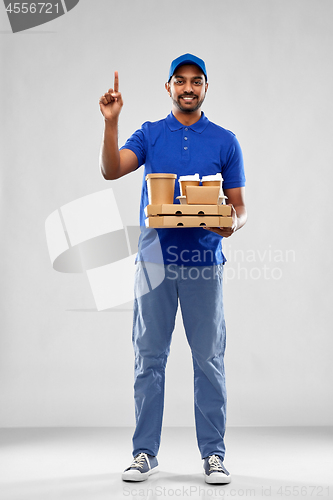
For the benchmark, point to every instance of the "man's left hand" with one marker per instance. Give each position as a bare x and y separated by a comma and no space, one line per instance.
227,231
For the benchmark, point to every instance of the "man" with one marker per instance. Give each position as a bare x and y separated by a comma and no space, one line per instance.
183,143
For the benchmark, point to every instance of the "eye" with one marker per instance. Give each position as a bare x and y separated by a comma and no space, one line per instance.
198,82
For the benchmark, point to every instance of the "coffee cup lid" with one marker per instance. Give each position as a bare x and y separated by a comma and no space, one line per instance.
161,176
216,177
194,177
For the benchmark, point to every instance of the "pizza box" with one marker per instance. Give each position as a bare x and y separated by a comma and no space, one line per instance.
188,221
222,210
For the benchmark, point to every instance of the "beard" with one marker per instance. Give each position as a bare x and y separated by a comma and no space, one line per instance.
186,109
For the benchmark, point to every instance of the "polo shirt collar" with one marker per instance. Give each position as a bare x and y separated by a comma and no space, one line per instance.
198,127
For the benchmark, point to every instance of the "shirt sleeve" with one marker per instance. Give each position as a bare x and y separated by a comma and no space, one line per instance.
233,169
137,144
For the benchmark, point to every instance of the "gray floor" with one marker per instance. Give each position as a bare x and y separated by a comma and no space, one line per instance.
67,464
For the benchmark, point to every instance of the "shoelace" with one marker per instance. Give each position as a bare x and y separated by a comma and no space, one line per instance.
139,461
214,464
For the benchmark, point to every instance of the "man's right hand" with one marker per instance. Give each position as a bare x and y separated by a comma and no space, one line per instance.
111,102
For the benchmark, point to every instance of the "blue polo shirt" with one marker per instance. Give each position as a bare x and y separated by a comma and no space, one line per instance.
168,146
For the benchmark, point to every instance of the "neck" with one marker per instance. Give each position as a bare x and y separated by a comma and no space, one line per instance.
186,118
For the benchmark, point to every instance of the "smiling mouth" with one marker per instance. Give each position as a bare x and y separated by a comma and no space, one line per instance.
188,98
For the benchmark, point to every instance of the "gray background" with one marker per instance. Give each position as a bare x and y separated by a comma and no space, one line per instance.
270,72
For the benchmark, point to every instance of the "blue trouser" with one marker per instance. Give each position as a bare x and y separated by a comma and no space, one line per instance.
199,290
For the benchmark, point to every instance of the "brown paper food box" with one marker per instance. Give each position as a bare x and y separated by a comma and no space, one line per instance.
202,195
188,221
177,209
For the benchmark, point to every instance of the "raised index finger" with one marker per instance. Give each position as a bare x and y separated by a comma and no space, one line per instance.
116,81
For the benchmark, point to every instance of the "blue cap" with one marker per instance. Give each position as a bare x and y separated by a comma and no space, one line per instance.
187,59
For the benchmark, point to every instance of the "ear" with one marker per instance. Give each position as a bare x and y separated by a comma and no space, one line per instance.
167,88
206,87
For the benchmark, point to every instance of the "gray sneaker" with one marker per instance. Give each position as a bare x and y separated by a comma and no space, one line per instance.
142,466
214,471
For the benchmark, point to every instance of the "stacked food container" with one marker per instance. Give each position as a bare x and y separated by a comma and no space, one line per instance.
201,202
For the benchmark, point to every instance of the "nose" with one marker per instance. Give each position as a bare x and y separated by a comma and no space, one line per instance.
188,87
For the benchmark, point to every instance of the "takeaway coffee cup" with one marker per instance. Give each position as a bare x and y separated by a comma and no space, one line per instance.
188,180
161,188
212,180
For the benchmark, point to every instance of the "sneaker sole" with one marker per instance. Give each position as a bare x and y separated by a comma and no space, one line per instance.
216,478
138,476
